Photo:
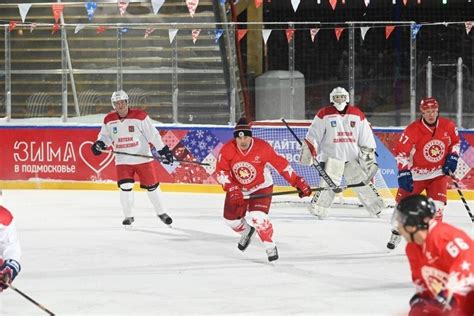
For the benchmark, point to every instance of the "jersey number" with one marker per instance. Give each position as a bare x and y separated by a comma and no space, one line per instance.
453,247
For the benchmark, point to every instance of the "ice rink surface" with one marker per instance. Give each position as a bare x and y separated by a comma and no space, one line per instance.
79,260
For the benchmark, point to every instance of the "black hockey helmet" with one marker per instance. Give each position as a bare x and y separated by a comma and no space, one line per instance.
413,211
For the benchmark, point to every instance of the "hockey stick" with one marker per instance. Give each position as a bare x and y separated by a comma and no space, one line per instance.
258,196
461,195
146,156
29,299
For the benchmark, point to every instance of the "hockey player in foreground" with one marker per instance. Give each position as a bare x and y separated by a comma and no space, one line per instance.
10,251
342,137
242,168
441,259
131,131
426,153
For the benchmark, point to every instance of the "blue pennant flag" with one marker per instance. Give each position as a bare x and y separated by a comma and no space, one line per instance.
123,30
222,2
415,28
217,34
90,7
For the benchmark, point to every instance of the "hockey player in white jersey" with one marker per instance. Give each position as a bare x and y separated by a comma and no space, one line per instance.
342,138
131,131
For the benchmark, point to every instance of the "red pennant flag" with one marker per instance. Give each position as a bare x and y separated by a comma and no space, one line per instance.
192,6
55,28
148,31
289,34
241,34
122,6
405,2
258,3
32,27
333,4
57,8
388,30
12,25
195,34
101,29
338,31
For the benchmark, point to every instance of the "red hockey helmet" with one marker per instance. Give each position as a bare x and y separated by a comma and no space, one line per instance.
429,104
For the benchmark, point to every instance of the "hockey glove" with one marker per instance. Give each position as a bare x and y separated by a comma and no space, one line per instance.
450,164
163,155
236,197
302,186
405,180
8,272
97,147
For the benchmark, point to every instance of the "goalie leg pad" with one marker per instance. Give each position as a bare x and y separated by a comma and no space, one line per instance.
370,198
322,200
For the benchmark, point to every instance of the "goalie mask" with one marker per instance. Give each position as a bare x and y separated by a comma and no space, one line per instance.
119,96
339,97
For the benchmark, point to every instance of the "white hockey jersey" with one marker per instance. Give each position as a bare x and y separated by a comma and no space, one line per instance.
9,244
132,134
338,135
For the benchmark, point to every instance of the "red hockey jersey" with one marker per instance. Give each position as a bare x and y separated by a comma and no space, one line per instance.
249,169
423,149
444,262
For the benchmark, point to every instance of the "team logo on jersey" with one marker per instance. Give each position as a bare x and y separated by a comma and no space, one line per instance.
435,279
114,130
244,172
333,123
353,124
131,129
434,150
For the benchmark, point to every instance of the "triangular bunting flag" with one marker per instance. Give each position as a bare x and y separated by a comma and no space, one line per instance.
295,4
122,6
101,29
313,33
32,27
192,6
148,32
56,27
172,34
419,1
289,34
367,2
24,8
217,34
333,4
157,4
195,35
222,2
468,26
241,34
405,2
388,30
12,25
415,28
78,28
58,9
363,31
123,30
338,31
90,8
258,3
266,35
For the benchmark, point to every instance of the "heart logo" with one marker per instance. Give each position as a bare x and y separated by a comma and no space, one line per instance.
103,163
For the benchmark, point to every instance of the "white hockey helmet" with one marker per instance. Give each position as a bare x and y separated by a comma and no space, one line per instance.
339,91
118,96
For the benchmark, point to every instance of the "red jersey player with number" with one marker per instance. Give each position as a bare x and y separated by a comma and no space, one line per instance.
242,168
426,153
441,259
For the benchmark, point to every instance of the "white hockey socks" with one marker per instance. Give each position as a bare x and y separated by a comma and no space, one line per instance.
264,228
156,198
126,199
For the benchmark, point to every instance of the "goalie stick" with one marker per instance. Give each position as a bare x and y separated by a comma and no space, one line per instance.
258,196
146,156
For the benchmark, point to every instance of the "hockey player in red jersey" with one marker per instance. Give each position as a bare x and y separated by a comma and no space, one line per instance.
242,169
426,153
131,131
441,259
10,250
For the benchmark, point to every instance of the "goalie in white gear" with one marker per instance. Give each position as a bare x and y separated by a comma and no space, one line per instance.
342,137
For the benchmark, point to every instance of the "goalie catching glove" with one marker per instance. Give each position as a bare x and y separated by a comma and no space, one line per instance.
303,187
307,154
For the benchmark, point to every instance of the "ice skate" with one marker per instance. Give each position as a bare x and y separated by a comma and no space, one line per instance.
165,219
394,240
272,254
244,241
128,221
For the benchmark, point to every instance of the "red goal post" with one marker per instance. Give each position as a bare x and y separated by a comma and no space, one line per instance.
276,133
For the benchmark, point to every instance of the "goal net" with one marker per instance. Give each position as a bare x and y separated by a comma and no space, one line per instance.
281,139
